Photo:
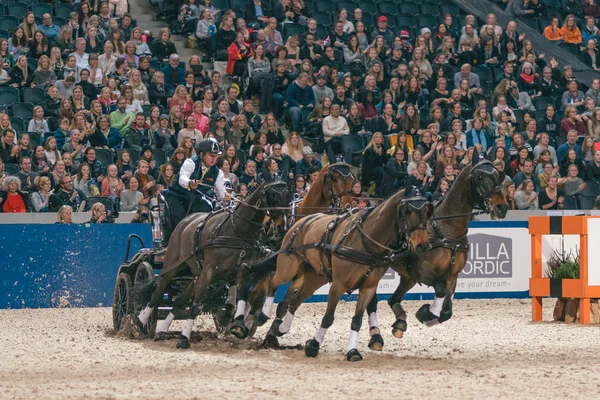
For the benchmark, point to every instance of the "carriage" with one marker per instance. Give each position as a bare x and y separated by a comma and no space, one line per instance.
136,273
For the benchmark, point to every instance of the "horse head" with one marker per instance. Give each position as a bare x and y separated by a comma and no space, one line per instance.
337,184
486,189
413,216
275,200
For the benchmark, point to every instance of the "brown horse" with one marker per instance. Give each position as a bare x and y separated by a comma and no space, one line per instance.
353,253
217,248
477,185
332,188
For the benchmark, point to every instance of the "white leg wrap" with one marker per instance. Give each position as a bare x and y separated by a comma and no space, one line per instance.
287,323
268,306
373,323
352,341
241,308
320,335
187,331
436,307
145,314
166,324
232,295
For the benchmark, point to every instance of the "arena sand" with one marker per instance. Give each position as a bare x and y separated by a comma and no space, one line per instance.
488,350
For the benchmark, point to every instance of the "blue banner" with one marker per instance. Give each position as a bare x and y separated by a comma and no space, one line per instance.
76,265
63,265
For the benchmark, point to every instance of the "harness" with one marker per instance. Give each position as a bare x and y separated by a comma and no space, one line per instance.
438,240
368,257
240,241
461,243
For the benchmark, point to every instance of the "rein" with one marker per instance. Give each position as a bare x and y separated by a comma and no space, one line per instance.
472,213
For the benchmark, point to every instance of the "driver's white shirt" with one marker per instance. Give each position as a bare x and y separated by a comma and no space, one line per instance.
187,169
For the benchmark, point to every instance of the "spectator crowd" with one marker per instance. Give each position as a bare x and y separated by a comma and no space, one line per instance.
99,108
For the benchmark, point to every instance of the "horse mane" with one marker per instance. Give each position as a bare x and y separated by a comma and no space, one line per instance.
461,180
254,196
312,198
391,201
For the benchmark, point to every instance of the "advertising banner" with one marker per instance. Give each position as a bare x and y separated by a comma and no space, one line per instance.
499,265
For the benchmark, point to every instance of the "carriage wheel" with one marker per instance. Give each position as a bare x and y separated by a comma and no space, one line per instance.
143,275
122,301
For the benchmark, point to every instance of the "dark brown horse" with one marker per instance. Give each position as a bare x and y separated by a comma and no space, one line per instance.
217,247
351,251
476,186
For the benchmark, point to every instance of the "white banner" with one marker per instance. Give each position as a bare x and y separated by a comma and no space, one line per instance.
499,261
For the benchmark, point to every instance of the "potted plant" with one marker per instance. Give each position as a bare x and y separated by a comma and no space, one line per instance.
565,265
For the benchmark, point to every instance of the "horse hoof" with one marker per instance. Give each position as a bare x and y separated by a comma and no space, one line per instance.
252,330
260,318
312,348
424,315
160,336
376,342
183,343
270,342
399,328
353,355
238,329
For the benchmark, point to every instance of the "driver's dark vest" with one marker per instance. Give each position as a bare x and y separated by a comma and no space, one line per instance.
210,178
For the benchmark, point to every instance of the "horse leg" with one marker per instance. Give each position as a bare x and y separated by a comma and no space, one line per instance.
238,327
376,342
441,309
200,286
224,313
179,304
281,311
312,282
312,345
288,266
400,325
257,297
157,296
300,290
365,295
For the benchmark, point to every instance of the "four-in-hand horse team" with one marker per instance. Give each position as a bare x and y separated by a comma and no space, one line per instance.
240,248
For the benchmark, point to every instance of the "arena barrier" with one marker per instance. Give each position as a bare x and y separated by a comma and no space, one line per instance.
588,285
47,265
50,265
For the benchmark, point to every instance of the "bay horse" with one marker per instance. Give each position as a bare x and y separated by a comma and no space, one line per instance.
332,190
478,185
353,253
217,247
333,187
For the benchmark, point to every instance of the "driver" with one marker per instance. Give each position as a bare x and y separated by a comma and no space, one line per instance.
199,181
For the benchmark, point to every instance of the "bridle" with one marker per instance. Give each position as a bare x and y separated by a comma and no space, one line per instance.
416,203
280,189
346,172
480,198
